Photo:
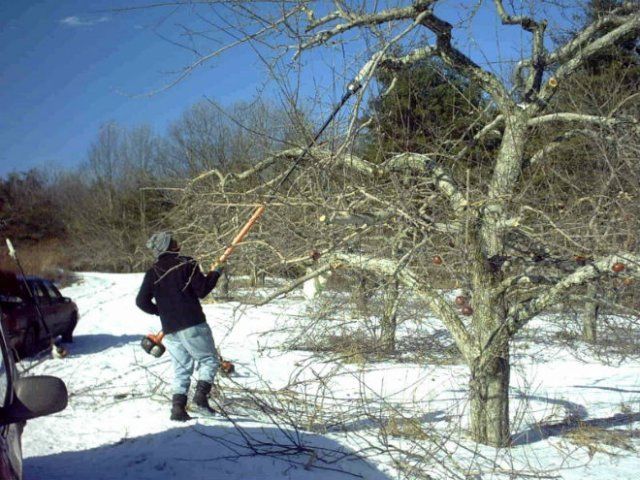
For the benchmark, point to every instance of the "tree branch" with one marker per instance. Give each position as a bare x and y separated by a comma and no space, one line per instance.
616,18
313,23
520,314
404,162
558,142
385,16
289,287
525,22
391,62
421,13
490,128
443,180
582,118
426,222
626,21
537,63
372,217
439,304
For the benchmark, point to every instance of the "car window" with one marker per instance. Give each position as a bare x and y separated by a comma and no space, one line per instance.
52,291
9,298
38,291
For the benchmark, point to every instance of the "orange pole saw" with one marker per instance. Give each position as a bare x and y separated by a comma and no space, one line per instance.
240,236
152,343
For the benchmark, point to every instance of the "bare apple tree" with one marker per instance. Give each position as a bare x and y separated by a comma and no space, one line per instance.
416,217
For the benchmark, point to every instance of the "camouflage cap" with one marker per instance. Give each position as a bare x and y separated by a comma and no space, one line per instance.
159,243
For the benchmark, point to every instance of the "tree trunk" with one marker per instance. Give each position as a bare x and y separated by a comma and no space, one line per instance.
388,322
254,276
489,385
489,390
590,316
361,295
505,177
224,287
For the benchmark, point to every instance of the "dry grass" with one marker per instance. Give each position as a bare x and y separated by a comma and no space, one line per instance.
437,348
601,440
354,347
401,427
47,259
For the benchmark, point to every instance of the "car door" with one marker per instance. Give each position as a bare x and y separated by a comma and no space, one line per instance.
10,448
25,315
14,324
60,310
44,303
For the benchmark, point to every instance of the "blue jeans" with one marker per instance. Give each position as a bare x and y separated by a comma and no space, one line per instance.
188,346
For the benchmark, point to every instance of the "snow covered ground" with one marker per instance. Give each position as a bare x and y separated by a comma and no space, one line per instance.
293,415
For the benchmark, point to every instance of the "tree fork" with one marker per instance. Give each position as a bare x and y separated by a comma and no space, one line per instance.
388,322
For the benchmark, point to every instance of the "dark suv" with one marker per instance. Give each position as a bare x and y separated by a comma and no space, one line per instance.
22,399
25,333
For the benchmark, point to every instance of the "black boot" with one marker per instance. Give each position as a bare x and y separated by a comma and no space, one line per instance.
178,409
201,398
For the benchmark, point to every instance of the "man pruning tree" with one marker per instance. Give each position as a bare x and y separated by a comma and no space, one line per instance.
176,283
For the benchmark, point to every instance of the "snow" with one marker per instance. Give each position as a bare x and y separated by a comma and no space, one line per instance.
116,425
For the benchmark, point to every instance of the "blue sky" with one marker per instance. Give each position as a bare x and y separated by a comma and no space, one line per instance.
67,67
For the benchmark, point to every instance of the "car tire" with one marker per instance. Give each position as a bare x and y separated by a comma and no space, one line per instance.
31,344
67,335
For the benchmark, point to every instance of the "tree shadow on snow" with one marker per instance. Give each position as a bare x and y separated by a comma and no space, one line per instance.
574,420
367,423
609,389
87,344
209,452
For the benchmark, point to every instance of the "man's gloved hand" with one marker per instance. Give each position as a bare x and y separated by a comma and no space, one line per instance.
218,267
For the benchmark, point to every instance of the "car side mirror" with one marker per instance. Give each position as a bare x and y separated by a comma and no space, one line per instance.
35,397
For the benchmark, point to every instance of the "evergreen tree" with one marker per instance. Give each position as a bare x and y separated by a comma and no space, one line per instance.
622,56
430,107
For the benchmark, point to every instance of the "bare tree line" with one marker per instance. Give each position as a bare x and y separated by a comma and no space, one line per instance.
106,208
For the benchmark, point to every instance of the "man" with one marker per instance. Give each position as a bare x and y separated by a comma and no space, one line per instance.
176,283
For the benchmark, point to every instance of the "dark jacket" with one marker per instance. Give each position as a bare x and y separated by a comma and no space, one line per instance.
176,283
